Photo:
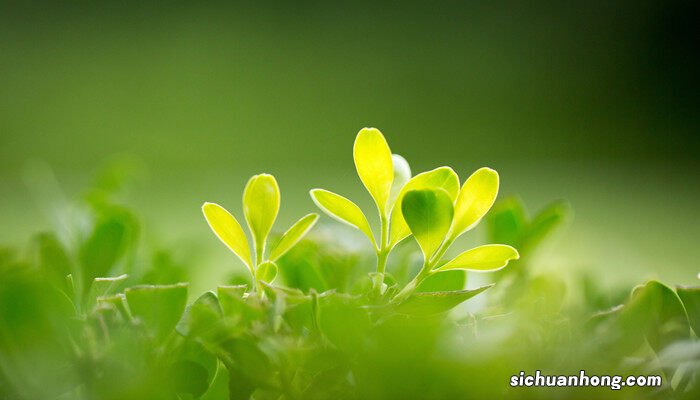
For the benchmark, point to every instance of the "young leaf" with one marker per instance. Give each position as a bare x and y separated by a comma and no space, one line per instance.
475,199
402,174
292,236
266,272
374,165
228,230
439,178
489,257
430,303
343,210
159,307
261,203
428,214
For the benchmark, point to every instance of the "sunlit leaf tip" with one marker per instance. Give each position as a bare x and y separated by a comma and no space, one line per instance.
226,227
374,164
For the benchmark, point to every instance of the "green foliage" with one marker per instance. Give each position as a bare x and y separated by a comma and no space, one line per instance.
102,317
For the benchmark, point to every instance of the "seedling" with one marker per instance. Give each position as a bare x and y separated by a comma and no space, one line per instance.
430,206
261,203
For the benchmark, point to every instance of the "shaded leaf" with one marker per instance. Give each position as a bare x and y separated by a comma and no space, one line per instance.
545,222
159,307
690,296
656,312
507,222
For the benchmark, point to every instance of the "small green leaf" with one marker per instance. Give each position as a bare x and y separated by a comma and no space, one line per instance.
475,199
444,281
490,257
545,222
228,230
429,303
343,210
293,236
374,165
159,307
266,272
691,299
428,214
402,174
261,203
439,178
507,222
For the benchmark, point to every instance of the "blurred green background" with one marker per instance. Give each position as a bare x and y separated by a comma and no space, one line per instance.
595,102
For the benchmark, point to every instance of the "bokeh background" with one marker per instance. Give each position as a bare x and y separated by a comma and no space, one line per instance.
595,102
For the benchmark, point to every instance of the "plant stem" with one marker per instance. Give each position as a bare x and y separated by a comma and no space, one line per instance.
383,248
412,285
425,272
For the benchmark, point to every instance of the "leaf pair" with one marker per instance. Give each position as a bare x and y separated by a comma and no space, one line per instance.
261,202
380,172
436,212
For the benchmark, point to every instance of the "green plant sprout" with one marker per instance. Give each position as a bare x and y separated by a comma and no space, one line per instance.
261,203
431,206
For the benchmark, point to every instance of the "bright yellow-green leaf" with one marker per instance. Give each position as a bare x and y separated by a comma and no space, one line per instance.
489,257
266,271
292,236
228,230
428,214
443,178
261,202
343,210
374,165
402,174
475,199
